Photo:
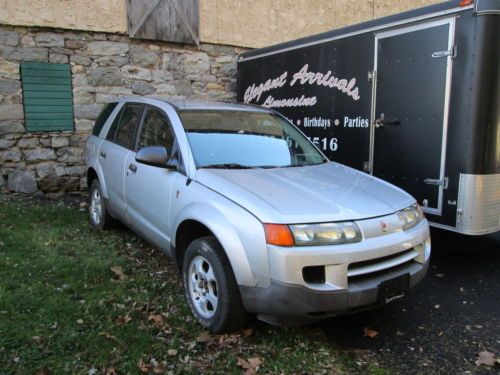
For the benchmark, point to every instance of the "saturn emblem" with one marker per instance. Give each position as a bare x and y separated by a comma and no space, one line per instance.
384,226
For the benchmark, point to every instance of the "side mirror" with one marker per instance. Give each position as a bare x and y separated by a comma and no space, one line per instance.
156,156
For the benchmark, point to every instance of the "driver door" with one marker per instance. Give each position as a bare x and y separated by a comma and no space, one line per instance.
148,189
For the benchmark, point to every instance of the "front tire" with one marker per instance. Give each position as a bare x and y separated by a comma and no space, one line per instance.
99,215
210,287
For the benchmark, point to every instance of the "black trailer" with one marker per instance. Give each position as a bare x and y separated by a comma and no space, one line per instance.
411,98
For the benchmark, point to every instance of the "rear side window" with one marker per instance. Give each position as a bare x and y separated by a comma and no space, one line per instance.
123,129
103,117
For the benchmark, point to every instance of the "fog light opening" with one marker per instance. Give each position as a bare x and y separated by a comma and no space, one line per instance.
314,274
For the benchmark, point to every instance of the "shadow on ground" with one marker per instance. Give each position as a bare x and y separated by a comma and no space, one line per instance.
443,324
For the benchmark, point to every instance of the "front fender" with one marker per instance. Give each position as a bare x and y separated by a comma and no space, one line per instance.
240,234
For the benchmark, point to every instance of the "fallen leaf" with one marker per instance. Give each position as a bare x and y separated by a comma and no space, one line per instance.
107,335
242,363
437,306
485,358
156,318
44,371
204,338
36,339
251,365
228,340
121,320
110,371
118,271
79,321
172,352
367,332
142,366
247,332
83,204
255,362
159,368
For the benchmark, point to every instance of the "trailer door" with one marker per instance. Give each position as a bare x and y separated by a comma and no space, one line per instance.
410,109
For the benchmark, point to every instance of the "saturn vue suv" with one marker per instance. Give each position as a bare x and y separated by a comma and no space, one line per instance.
257,219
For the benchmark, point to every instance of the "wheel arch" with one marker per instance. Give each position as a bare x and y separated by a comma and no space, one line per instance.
96,173
199,220
91,176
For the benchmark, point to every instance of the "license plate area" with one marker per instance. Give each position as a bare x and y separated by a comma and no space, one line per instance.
393,289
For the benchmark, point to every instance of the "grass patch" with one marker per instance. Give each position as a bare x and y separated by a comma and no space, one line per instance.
62,309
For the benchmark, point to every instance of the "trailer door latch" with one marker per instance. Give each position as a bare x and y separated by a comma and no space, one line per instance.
436,182
451,52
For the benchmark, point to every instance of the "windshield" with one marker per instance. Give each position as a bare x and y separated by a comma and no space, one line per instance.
243,139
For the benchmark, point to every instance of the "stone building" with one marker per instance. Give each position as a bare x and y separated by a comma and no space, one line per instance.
61,60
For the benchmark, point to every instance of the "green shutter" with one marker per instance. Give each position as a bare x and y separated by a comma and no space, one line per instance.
47,96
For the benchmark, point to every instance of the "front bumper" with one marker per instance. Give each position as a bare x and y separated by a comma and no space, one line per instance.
281,303
353,275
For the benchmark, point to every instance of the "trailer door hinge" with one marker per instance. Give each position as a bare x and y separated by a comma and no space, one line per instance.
451,52
433,181
372,75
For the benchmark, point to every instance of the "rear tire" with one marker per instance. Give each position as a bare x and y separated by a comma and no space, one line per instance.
98,213
210,287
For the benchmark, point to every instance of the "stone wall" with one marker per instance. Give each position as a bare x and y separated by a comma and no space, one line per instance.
104,66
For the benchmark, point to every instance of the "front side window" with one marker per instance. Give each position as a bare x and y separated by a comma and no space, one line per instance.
244,139
156,130
127,125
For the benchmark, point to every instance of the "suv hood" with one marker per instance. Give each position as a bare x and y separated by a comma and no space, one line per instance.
321,193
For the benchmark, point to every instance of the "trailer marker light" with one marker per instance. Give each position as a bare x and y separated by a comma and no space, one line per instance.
464,3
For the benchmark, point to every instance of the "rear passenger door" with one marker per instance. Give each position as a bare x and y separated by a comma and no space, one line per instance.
148,189
113,154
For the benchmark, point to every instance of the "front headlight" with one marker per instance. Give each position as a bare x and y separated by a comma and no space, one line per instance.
325,233
411,216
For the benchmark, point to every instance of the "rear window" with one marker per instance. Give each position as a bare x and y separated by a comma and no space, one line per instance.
103,117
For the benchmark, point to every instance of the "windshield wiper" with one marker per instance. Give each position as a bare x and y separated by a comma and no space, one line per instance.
270,166
228,166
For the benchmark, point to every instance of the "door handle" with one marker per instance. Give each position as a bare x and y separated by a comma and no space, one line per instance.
132,167
437,182
103,154
392,122
382,121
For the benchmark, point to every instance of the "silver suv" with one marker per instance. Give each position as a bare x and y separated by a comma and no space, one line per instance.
254,215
